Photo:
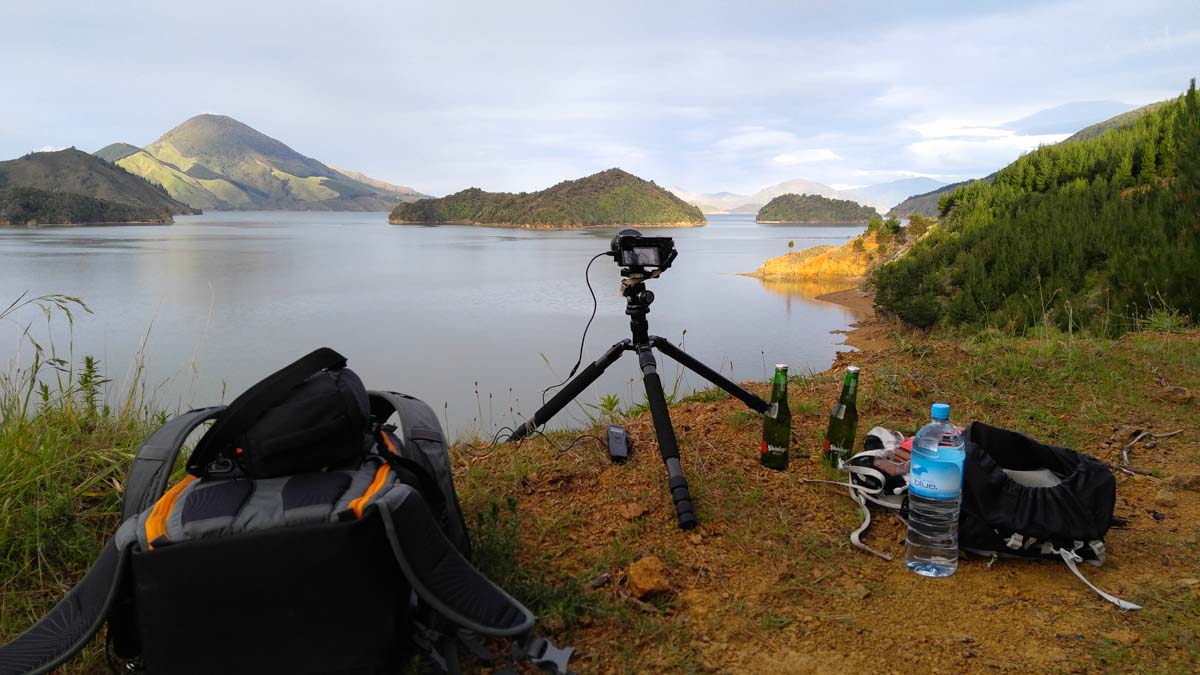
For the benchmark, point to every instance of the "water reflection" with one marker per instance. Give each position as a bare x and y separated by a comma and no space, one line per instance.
804,292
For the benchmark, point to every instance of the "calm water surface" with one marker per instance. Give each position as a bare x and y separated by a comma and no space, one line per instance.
225,298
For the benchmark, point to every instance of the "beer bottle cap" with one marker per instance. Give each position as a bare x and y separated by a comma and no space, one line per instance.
852,369
781,366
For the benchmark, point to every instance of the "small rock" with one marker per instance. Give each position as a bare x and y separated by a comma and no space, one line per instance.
1150,445
600,581
1189,582
1158,515
1187,481
967,640
1175,394
968,654
1166,498
647,576
632,510
696,538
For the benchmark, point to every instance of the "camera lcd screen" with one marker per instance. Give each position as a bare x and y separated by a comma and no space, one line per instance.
644,256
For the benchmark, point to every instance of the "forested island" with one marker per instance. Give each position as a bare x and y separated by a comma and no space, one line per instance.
30,207
71,187
1089,234
812,209
606,199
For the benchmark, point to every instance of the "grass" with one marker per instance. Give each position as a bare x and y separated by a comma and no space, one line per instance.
64,450
770,567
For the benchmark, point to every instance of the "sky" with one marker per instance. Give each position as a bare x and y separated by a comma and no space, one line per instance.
516,95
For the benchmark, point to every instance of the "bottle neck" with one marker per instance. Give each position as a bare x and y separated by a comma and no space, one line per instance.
779,387
849,389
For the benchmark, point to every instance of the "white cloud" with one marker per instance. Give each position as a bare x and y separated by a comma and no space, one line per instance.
756,138
51,148
950,153
805,156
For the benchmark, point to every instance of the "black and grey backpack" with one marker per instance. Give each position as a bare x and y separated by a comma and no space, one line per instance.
311,535
1020,498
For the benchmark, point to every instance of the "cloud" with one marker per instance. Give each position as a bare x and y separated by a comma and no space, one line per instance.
51,148
959,153
756,138
805,156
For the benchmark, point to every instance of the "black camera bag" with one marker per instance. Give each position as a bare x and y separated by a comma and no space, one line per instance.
295,420
350,557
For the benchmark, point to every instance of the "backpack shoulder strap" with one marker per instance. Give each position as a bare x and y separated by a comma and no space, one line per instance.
256,400
151,468
424,443
458,592
442,577
73,621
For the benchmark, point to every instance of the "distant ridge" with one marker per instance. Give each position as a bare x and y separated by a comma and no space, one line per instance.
606,199
76,172
217,162
406,193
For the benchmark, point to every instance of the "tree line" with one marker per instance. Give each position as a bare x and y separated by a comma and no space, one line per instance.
1081,235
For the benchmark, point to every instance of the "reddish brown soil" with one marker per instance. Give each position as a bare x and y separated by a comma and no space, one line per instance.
768,582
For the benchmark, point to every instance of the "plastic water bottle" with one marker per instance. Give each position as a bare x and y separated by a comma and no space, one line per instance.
934,495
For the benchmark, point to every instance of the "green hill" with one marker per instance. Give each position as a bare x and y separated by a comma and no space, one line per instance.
83,174
1115,122
926,204
1094,234
30,207
217,162
608,198
793,208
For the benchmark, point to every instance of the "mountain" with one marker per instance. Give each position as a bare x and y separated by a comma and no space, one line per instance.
729,202
884,196
926,203
791,208
217,162
406,193
1116,122
30,207
1066,118
77,172
1095,235
608,198
880,196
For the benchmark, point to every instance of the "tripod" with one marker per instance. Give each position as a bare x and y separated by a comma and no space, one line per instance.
638,299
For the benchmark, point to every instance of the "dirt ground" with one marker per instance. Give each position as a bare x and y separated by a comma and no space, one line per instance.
769,583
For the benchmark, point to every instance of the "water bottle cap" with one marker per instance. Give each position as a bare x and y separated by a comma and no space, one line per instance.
940,411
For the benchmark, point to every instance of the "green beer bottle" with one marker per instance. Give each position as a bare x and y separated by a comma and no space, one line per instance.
777,424
843,421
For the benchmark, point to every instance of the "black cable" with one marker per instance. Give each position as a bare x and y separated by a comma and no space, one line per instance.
587,278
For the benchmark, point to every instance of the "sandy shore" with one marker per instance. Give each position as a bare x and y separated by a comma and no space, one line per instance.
868,333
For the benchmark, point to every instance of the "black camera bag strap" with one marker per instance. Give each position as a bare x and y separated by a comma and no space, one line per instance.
247,408
151,469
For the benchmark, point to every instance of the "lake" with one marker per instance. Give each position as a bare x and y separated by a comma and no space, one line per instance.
476,321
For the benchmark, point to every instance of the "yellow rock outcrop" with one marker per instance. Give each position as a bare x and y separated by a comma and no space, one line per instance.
854,260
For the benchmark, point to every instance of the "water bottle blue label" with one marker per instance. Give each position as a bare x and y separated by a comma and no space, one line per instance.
933,479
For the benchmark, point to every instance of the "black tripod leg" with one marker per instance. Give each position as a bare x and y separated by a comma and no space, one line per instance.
667,444
692,363
571,389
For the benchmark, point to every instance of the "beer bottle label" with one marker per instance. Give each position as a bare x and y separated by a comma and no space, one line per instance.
773,449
